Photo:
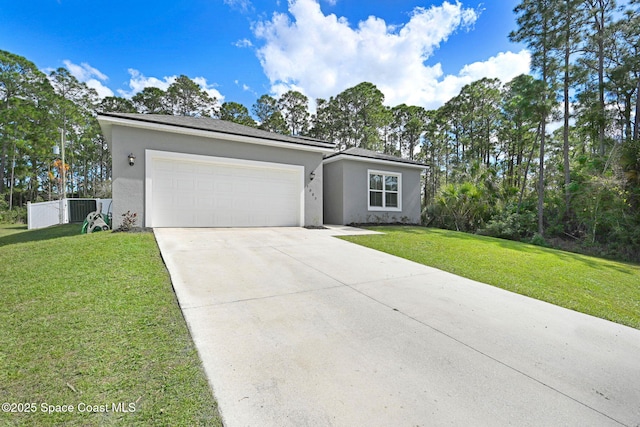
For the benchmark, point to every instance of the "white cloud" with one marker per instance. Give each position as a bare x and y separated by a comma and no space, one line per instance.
89,75
504,66
139,81
245,87
321,55
83,71
241,5
209,88
243,43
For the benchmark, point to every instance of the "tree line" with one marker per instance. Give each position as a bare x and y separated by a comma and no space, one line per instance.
36,112
552,157
555,156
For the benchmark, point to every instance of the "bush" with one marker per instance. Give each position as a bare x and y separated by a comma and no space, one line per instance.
508,224
460,207
17,215
129,220
539,240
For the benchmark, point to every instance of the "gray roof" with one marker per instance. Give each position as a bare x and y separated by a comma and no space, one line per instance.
368,154
221,126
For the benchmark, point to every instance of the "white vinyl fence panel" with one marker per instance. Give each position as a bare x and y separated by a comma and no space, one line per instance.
106,205
46,214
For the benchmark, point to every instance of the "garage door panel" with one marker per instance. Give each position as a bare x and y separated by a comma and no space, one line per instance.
223,175
242,187
186,184
204,169
218,194
205,186
220,188
186,167
163,165
207,203
185,202
164,181
221,202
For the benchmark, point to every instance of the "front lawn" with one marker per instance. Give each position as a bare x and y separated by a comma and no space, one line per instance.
599,287
91,322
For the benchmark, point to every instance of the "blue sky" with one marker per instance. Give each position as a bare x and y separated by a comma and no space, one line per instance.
417,52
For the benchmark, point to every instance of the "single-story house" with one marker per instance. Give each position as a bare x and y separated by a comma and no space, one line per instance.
177,171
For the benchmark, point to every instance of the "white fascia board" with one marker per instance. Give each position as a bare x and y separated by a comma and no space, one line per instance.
370,160
110,121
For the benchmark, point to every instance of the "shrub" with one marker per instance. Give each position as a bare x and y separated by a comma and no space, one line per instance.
460,207
508,224
17,215
539,240
129,220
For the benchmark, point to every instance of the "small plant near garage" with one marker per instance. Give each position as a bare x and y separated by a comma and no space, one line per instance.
129,220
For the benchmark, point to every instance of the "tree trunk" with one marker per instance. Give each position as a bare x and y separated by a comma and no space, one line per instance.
11,182
426,186
565,133
627,129
85,189
3,163
33,182
601,101
599,19
5,146
519,156
526,170
541,179
636,120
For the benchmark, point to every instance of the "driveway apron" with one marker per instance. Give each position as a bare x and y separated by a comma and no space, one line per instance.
296,327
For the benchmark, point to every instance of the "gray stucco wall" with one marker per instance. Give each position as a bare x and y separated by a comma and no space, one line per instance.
333,194
128,181
355,187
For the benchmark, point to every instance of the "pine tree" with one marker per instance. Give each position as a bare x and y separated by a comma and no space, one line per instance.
539,29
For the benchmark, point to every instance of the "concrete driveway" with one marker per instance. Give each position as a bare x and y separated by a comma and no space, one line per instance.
298,328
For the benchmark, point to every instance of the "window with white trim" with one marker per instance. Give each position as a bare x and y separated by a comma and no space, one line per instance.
385,191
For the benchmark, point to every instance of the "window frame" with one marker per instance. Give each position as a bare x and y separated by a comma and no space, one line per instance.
384,191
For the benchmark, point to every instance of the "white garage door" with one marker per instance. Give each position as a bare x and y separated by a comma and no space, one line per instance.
201,191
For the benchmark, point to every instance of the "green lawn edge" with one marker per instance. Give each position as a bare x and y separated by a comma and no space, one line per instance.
93,320
595,286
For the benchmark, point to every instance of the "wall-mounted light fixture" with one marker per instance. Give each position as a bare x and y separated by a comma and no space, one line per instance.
312,175
132,159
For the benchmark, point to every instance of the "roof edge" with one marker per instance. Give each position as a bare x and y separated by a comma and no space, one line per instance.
141,122
348,156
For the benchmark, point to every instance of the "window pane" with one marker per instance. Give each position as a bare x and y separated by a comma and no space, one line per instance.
391,200
391,183
375,198
375,182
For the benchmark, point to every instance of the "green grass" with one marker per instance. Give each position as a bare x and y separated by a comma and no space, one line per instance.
93,319
599,287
